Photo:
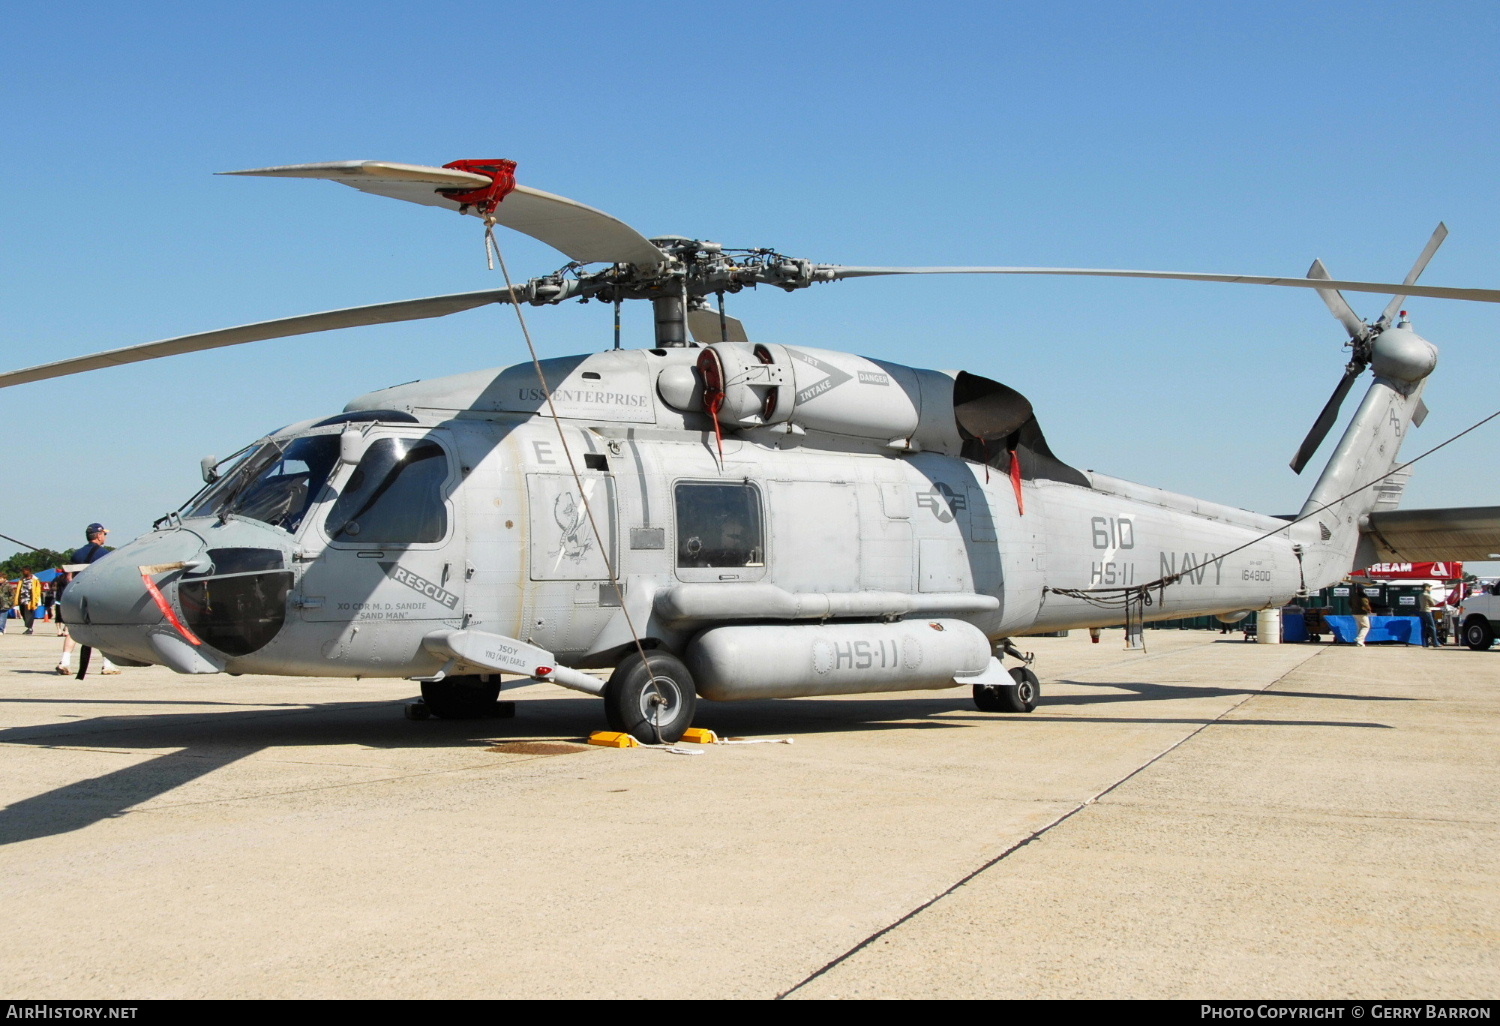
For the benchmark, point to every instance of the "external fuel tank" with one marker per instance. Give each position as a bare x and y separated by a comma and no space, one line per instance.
736,663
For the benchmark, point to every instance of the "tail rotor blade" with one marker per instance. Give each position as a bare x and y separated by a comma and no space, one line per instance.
1337,304
1438,235
1326,419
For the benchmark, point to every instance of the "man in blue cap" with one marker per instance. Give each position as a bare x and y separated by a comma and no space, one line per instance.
94,551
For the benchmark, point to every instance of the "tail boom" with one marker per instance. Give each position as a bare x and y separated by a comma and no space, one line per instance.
1350,486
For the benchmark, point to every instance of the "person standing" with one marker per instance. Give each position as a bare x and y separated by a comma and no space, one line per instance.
1360,604
94,551
59,585
1424,610
27,596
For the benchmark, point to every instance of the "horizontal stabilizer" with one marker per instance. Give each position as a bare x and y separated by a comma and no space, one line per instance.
1422,535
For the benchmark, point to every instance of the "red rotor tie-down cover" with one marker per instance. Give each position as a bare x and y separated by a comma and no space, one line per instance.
712,370
1015,481
502,176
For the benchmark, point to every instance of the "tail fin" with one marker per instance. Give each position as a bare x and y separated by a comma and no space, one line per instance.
1358,478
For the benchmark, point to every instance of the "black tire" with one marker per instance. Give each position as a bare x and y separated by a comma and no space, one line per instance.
1020,697
987,698
652,700
462,698
1478,634
1023,694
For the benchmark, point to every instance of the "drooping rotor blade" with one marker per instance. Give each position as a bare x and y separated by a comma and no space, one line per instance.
1326,419
831,272
1337,304
583,233
706,330
352,317
1438,235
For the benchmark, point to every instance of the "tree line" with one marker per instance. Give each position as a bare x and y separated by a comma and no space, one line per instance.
35,560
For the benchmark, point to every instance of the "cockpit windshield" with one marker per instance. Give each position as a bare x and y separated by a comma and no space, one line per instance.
276,484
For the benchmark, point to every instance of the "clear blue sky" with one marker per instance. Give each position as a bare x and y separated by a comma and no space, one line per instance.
1241,137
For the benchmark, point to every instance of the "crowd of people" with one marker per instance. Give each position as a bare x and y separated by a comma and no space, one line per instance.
1437,614
33,600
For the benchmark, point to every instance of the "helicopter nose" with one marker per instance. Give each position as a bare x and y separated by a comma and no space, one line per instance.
109,605
191,598
112,593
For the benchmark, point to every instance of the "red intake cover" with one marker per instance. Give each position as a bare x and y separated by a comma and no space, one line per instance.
712,370
502,176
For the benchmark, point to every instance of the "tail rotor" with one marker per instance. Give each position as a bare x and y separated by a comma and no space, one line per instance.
1362,335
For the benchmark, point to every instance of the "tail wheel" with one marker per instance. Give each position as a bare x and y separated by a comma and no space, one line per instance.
651,699
1020,697
1478,634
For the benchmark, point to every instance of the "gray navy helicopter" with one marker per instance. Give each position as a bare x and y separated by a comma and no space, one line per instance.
713,516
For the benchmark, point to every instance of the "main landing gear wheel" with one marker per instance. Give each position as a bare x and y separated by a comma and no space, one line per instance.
653,700
1478,634
1019,697
463,698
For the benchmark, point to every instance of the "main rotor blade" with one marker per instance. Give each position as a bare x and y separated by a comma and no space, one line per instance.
834,271
583,233
705,328
1326,419
1438,235
353,317
1337,304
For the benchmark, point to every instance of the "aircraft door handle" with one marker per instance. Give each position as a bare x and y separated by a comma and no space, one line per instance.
310,602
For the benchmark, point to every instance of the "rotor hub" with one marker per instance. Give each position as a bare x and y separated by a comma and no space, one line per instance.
694,270
1402,355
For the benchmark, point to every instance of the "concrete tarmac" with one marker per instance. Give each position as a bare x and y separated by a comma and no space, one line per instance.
1207,819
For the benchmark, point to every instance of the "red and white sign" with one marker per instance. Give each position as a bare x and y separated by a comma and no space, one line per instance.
1450,571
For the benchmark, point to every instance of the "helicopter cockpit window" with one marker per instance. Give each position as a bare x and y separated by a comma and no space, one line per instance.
718,525
394,496
275,484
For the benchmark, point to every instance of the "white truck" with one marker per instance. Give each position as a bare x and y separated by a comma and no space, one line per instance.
1479,621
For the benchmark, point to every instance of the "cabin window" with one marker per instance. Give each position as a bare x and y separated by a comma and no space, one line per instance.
275,484
394,496
719,525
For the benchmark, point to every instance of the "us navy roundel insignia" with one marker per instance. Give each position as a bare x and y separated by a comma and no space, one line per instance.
943,501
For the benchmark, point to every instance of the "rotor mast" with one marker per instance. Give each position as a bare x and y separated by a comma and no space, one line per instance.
671,322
